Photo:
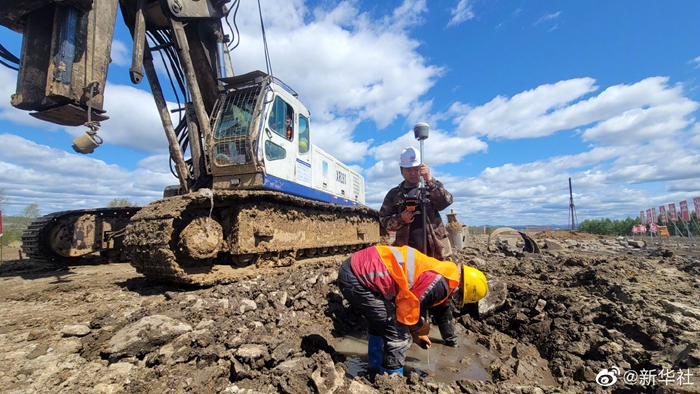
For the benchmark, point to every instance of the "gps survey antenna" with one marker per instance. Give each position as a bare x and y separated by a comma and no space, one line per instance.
420,131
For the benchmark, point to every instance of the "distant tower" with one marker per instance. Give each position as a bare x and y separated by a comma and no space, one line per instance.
573,222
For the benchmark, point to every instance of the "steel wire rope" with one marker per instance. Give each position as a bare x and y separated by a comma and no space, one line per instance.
268,62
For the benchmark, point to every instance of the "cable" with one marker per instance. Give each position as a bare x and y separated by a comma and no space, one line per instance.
11,67
163,45
236,36
12,59
7,55
268,63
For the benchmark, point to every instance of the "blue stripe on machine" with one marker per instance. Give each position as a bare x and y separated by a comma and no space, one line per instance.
271,182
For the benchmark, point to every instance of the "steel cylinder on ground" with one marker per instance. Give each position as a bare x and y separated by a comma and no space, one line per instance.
454,231
455,237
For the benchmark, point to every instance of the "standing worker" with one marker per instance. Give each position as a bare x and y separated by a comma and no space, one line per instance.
393,287
400,212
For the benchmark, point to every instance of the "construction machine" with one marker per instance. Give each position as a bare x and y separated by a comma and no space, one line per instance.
252,187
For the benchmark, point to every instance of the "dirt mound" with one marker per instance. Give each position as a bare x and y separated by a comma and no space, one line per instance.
562,235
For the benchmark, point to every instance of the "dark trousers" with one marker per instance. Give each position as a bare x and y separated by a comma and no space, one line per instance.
381,317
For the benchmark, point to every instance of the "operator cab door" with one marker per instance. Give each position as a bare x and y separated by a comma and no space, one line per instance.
303,162
279,140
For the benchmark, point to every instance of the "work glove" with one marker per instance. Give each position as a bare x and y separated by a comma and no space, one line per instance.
421,340
419,332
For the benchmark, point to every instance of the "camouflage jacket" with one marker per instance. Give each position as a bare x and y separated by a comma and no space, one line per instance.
439,199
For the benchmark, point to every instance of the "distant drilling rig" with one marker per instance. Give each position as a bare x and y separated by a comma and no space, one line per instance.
573,220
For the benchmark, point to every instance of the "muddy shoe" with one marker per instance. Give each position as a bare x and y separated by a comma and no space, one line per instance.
452,342
447,332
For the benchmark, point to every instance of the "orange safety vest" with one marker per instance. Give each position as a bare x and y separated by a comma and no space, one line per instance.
405,265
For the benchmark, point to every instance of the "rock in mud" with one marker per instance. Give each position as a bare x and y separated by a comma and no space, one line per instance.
142,336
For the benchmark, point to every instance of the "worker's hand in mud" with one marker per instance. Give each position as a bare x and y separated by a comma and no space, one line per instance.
421,340
425,172
407,216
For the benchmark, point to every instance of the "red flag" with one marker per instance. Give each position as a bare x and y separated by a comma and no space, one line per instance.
642,217
654,228
662,214
696,202
0,223
672,212
684,211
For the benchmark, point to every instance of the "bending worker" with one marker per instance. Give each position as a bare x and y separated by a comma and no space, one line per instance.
393,287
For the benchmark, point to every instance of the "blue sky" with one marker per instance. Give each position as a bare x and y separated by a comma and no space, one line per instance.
520,96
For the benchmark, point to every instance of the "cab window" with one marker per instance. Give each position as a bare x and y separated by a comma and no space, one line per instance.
303,134
281,120
274,151
236,115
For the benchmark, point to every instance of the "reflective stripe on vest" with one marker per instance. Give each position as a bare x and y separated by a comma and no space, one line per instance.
410,266
404,273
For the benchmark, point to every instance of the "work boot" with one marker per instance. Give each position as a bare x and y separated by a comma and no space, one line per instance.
383,370
375,351
447,332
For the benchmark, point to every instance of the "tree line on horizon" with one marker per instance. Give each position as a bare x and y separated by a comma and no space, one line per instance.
606,226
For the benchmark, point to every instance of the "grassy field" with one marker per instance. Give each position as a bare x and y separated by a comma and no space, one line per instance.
12,228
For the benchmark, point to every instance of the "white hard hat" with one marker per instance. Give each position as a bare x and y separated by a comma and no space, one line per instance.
410,157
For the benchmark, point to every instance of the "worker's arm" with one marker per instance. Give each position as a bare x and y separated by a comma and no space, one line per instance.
438,196
436,291
390,212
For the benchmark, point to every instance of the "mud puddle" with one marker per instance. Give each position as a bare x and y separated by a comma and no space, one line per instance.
441,363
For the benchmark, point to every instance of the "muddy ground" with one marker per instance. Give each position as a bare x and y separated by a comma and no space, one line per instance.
588,314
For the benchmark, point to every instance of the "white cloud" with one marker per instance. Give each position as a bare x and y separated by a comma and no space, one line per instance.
8,87
120,55
641,134
696,61
133,120
547,18
346,66
643,124
462,12
553,107
59,180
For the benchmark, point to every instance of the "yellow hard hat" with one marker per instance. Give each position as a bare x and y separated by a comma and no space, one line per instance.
474,285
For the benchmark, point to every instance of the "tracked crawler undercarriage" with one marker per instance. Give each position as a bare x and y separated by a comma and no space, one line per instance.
67,237
201,238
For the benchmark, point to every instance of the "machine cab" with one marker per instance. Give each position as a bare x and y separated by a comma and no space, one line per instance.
262,140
